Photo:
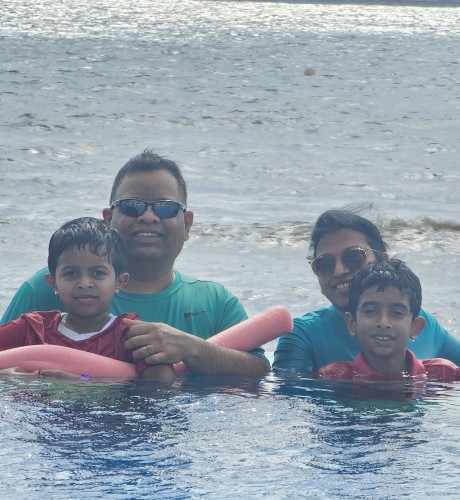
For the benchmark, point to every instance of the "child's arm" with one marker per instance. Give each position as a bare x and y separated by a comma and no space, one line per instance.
441,369
59,374
11,337
160,373
337,369
16,371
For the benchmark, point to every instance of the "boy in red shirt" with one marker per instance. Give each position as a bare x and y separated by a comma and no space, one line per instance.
385,300
85,260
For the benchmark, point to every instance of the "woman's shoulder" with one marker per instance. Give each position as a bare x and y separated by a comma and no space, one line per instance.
319,317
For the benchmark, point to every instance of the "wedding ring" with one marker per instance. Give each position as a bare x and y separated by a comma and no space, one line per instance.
149,350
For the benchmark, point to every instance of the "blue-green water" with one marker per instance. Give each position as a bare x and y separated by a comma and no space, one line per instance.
227,438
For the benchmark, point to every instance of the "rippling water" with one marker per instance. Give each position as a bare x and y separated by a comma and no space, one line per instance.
221,88
225,439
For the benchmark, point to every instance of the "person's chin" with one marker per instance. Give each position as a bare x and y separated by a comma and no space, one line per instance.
146,254
340,302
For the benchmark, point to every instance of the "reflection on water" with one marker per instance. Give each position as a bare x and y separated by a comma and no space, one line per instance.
224,437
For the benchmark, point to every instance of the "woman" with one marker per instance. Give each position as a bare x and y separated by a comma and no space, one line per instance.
342,243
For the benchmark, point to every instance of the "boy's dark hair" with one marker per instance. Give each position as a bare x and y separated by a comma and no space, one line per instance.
97,234
345,218
384,274
148,161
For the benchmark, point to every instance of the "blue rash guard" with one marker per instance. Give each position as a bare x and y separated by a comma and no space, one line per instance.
321,337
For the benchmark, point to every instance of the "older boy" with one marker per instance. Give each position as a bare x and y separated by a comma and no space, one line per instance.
384,305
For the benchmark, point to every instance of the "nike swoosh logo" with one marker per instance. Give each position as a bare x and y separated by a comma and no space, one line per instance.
193,313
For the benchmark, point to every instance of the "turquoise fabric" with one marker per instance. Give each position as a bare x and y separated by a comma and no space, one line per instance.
200,307
321,337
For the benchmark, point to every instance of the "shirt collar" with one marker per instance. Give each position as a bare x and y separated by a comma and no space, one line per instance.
362,367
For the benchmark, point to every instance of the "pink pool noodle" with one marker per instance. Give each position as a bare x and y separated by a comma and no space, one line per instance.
54,357
244,336
252,333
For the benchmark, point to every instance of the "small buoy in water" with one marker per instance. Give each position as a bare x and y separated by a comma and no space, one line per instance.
309,71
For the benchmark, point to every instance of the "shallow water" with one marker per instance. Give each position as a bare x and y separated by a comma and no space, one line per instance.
220,87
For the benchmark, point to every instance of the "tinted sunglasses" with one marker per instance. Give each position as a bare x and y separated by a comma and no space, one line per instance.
163,209
353,259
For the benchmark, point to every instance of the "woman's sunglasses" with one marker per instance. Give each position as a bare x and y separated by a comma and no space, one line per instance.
163,209
353,259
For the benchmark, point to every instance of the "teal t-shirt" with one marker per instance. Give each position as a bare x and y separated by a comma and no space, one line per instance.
200,307
321,337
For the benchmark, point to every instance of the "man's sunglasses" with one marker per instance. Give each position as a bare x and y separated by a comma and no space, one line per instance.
353,259
163,209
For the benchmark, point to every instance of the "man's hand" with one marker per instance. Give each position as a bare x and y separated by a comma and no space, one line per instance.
157,342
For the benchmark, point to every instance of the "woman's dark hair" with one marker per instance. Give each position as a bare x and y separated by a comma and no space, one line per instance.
97,234
335,219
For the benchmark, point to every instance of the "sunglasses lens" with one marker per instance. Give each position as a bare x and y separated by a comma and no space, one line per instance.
354,259
323,265
166,209
132,208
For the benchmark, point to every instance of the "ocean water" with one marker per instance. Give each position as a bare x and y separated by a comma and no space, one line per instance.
221,88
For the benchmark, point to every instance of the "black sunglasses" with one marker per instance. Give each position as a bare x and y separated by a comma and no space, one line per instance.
353,258
163,209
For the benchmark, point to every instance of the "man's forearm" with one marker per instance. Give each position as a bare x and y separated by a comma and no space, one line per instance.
207,358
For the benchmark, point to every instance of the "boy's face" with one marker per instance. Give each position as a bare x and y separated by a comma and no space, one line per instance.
384,324
85,282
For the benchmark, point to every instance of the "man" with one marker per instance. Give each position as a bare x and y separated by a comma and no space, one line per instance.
149,210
